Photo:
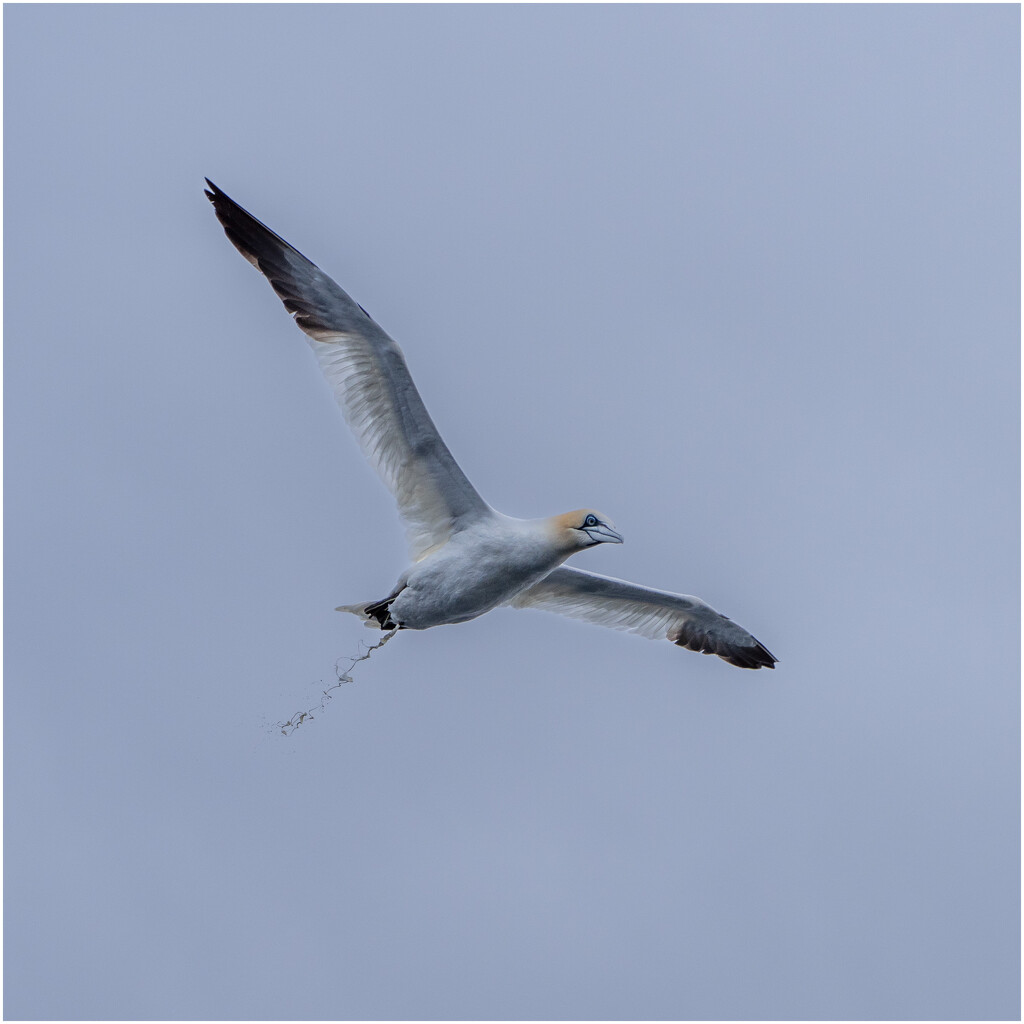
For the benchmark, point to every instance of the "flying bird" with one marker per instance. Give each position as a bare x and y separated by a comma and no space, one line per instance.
467,557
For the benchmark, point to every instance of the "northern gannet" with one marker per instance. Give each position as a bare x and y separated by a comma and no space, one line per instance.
467,557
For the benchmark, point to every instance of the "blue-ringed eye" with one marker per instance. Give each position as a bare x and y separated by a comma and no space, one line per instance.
590,521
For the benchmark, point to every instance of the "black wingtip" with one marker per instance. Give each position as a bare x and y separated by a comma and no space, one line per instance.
262,247
757,656
754,657
760,656
228,210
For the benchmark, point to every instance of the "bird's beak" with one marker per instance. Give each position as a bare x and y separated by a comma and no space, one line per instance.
603,535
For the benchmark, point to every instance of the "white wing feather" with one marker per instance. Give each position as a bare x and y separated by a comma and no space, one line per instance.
655,614
370,379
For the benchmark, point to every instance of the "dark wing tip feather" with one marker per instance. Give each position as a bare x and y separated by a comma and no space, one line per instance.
317,303
757,656
251,237
707,642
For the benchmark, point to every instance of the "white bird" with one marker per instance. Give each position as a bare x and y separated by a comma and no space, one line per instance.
467,557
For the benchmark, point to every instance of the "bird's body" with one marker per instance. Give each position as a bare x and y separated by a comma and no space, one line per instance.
467,557
480,568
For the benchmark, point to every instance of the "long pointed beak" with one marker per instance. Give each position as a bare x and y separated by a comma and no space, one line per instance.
603,535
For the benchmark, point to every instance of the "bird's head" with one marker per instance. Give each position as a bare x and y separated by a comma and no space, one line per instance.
583,529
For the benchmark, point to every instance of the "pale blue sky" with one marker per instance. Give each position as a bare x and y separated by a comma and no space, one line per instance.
744,278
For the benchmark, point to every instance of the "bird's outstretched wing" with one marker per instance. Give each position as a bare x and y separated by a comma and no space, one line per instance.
656,614
371,381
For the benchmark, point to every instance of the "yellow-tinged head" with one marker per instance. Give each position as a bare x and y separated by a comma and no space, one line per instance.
583,529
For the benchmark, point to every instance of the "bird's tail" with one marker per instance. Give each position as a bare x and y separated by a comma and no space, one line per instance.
359,610
376,615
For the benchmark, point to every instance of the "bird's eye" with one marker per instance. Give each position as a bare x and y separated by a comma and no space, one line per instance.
590,521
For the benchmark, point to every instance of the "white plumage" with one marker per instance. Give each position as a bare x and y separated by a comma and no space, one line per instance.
467,558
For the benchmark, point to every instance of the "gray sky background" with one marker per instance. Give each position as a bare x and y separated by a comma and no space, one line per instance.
743,278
